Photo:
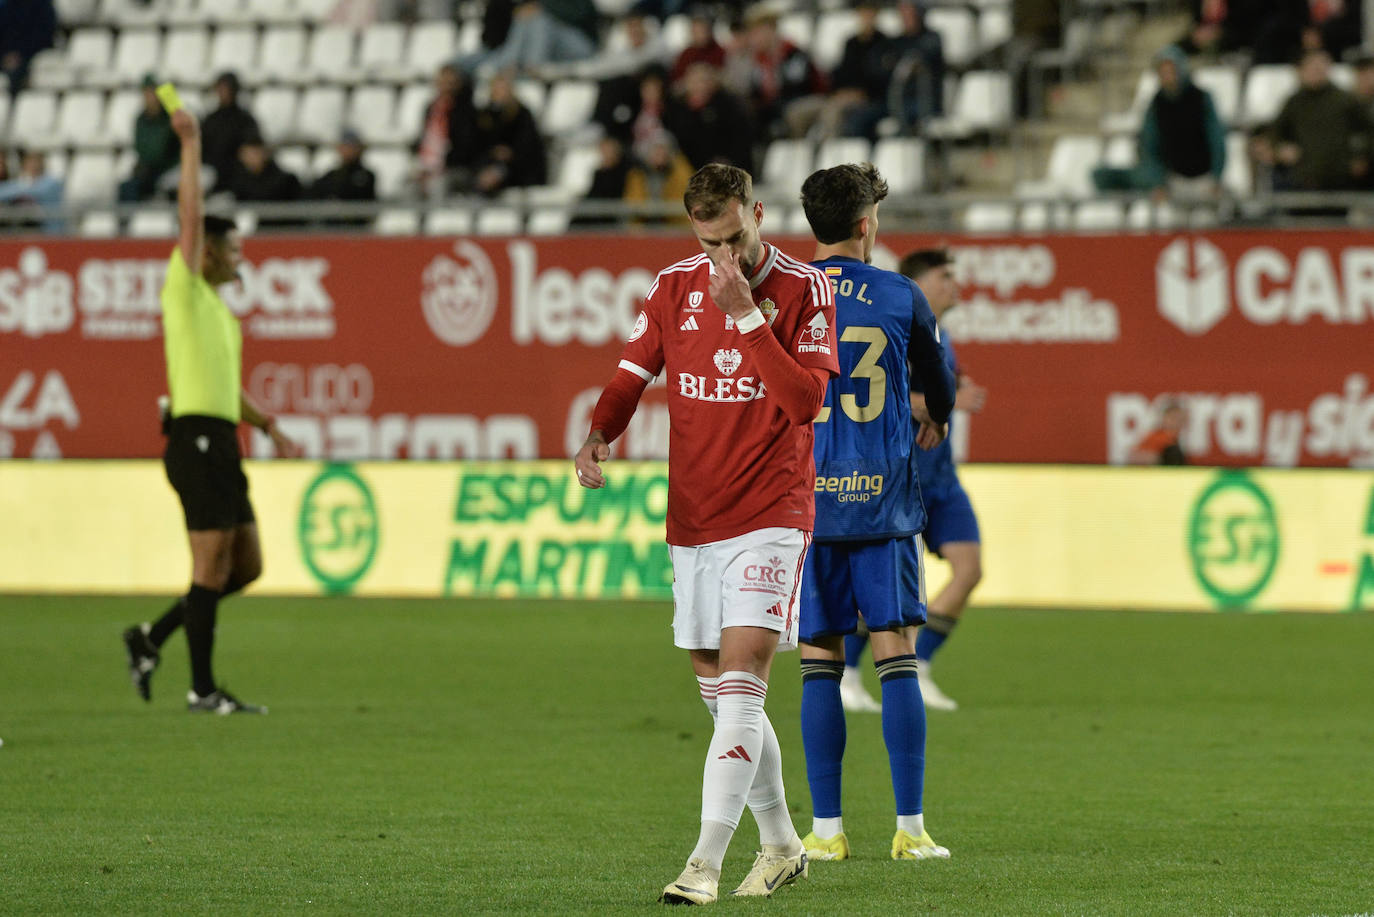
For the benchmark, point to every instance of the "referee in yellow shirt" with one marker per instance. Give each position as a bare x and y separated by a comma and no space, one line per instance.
204,362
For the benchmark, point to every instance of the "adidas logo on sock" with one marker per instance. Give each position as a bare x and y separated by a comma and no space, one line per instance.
690,324
738,753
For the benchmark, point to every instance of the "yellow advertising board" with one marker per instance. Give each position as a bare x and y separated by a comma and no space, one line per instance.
1167,539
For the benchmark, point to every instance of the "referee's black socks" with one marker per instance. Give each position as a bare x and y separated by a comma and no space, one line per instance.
166,625
201,605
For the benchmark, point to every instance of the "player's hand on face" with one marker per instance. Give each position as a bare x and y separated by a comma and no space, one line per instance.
588,462
286,446
185,125
729,288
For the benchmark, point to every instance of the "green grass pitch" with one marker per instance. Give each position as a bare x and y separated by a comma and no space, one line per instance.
528,757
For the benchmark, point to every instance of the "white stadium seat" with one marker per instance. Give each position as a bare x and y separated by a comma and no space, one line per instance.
1098,216
404,222
1223,84
797,28
80,118
833,29
236,49
90,50
137,51
410,109
91,176
499,221
957,32
275,109
1267,87
1146,214
33,118
282,53
392,166
434,43
296,160
468,40
382,49
449,221
534,96
1128,121
121,110
787,163
989,216
576,168
569,106
982,102
901,160
99,224
839,150
548,221
1236,177
330,55
994,28
325,158
184,56
1121,152
372,113
153,224
1070,168
319,117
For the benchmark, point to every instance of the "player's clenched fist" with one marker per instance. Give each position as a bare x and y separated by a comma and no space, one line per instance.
185,124
588,461
729,289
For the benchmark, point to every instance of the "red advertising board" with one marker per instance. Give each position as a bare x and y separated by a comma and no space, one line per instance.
486,348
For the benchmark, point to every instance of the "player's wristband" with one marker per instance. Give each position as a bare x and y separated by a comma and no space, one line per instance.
751,321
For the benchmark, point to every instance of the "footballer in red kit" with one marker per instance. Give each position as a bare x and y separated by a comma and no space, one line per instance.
745,335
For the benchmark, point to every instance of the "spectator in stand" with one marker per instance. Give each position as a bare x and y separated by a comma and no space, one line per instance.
1363,90
256,177
26,27
630,108
659,174
350,180
447,149
1035,25
542,33
608,184
1160,446
226,129
156,147
709,122
34,187
512,148
702,46
1336,25
1321,138
785,89
859,99
1182,144
916,60
643,48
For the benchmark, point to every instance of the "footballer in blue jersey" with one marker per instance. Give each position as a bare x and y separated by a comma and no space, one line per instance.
866,552
951,527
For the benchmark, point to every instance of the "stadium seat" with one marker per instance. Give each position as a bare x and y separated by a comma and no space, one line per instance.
534,96
185,12
282,53
794,219
246,221
275,108
319,117
957,31
1070,168
137,51
75,12
990,217
434,43
1121,152
381,51
49,70
839,150
153,224
676,34
833,29
548,221
901,160
449,221
994,28
34,118
982,102
576,168
798,28
324,159
468,40
91,176
89,51
1098,216
99,224
1236,177
80,118
1267,87
4,111
184,56
129,13
296,160
1129,120
392,166
401,222
270,11
1146,214
499,221
410,110
569,107
372,113
236,48
1223,84
1343,76
330,55
787,163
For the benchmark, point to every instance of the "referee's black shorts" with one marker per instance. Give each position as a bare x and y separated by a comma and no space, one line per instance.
203,463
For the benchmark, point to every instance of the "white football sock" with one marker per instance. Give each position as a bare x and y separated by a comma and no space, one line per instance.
768,797
915,825
707,686
826,828
731,761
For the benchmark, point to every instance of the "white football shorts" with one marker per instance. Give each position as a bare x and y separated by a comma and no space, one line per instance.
751,580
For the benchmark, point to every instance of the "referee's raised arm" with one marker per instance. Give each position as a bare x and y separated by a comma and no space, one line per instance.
190,206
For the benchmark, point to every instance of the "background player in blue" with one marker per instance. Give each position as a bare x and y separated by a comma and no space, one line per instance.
951,528
866,554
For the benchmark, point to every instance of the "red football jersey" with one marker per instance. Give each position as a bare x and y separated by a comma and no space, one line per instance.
735,462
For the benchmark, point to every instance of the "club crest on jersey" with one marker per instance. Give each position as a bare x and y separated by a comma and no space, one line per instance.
694,300
727,361
641,326
769,310
815,336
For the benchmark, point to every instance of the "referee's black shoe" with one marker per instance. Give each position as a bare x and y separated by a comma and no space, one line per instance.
143,660
219,701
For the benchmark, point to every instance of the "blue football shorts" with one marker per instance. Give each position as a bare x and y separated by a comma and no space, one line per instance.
949,516
882,579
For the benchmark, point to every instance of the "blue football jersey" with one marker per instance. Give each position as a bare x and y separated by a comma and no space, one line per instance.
936,466
867,484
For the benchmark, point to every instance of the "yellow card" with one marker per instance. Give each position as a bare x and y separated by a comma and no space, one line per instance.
167,95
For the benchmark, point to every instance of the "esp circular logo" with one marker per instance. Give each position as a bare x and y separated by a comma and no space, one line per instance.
338,528
459,295
1233,540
